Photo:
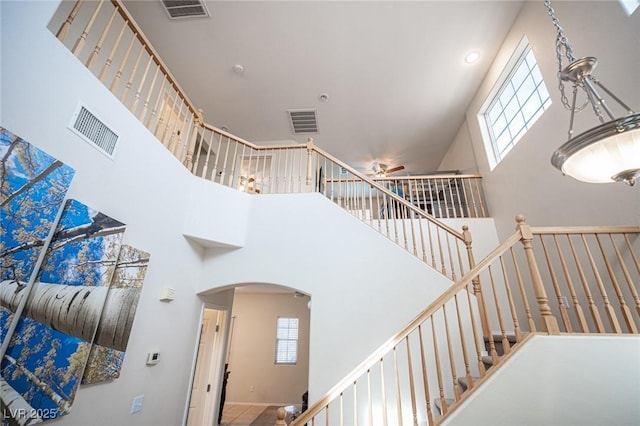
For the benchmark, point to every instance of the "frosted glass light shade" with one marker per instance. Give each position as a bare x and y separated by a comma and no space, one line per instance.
607,153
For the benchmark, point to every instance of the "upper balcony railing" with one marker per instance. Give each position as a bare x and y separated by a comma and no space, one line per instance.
103,36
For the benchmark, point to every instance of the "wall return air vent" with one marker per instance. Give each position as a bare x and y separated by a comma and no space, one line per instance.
303,120
185,8
94,131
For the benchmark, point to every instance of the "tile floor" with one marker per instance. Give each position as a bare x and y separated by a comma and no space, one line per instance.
240,414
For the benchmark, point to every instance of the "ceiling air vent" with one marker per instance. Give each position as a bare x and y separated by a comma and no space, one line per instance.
185,8
303,120
92,130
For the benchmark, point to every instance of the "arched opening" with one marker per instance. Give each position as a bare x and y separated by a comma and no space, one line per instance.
262,359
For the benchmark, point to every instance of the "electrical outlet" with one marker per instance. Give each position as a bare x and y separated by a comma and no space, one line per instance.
136,405
565,302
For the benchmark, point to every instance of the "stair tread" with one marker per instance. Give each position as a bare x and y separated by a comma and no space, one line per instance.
448,401
462,381
511,337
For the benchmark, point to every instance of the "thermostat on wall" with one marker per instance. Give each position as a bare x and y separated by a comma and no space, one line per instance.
153,358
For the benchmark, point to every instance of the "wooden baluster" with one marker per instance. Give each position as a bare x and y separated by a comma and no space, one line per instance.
477,289
613,319
433,253
265,170
116,80
156,105
443,401
572,292
626,313
385,419
478,341
169,113
77,48
498,311
355,401
549,322
422,244
564,313
479,191
441,253
463,345
452,364
145,105
233,165
625,271
197,123
309,152
396,374
431,199
341,409
98,47
136,96
66,25
214,174
466,210
425,377
412,386
523,293
109,61
453,205
595,314
369,398
205,169
451,260
174,134
512,308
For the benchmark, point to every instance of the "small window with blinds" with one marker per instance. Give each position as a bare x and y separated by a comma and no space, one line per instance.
287,341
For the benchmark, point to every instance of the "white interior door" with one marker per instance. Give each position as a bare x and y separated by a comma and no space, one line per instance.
203,391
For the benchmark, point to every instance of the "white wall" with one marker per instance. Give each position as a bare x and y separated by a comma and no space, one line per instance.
353,274
255,378
525,182
585,380
144,187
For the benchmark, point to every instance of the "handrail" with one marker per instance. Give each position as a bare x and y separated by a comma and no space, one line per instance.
389,193
504,297
153,95
397,338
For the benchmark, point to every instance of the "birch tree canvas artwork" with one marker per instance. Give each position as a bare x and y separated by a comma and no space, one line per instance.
33,186
110,343
48,352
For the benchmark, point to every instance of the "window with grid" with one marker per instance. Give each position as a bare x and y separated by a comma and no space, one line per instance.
519,102
287,341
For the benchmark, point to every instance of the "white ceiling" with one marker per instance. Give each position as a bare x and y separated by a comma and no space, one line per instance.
394,71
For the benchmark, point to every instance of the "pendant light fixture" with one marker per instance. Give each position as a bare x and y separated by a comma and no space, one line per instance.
609,152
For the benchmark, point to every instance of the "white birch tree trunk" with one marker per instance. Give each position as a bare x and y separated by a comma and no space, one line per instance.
76,310
15,406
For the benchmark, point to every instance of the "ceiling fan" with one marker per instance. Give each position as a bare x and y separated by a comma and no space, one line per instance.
383,170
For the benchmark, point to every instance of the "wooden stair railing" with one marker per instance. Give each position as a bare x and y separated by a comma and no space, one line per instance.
103,36
534,277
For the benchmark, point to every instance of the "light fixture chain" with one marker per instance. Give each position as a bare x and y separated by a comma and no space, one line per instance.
562,43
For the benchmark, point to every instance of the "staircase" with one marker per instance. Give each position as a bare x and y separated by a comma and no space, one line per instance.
497,344
572,280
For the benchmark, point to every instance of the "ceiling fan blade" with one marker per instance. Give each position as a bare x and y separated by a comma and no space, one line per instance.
395,169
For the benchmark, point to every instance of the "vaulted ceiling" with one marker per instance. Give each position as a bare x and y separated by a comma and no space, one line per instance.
394,72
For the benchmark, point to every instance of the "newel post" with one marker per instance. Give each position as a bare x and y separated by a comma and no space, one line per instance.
477,290
309,174
281,416
197,122
549,322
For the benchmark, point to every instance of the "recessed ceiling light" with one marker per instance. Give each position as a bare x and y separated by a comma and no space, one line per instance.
238,69
323,97
472,57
